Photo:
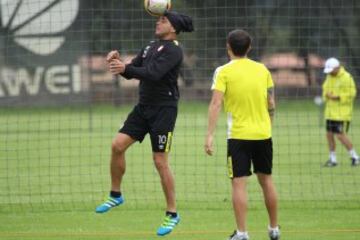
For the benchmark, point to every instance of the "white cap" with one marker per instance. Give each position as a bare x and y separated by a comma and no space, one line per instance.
331,64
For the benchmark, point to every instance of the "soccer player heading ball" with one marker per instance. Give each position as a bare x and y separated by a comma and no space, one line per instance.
157,67
339,92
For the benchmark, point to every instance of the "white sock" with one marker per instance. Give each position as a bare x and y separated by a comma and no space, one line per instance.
273,229
332,156
242,234
353,154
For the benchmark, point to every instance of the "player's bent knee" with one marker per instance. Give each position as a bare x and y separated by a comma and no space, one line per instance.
117,147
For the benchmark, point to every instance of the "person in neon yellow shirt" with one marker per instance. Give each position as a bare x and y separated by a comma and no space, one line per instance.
339,92
246,88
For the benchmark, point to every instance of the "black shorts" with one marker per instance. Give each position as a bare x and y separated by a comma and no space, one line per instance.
337,126
241,153
158,121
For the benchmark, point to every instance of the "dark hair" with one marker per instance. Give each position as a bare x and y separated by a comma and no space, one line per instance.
239,41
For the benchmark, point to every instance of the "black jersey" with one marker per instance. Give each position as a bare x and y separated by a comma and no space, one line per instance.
157,67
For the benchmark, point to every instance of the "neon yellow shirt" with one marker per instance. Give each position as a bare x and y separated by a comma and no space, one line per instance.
245,85
341,85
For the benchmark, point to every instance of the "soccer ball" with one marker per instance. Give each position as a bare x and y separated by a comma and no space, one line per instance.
318,100
157,7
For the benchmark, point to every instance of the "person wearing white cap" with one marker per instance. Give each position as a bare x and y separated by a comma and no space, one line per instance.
339,92
330,65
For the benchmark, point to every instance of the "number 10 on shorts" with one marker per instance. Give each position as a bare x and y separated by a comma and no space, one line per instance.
165,141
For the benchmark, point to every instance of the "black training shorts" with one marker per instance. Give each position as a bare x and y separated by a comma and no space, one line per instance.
241,153
337,126
158,121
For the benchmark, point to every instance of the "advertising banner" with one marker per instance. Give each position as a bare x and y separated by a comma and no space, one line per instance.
41,43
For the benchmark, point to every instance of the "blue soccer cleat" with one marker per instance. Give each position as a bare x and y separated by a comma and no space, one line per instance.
109,203
168,225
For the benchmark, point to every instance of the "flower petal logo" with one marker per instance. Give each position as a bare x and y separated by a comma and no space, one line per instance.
38,25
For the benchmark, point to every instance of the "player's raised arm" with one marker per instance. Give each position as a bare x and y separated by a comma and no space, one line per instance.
170,56
114,54
116,66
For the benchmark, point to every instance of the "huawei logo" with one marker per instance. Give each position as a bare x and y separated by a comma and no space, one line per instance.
38,25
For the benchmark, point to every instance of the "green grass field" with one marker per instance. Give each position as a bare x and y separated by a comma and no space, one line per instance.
54,170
